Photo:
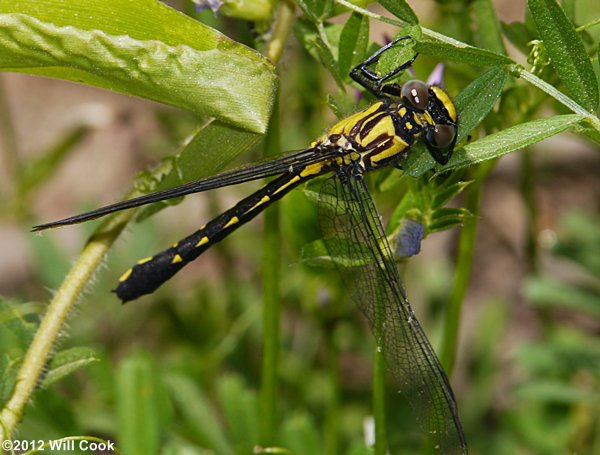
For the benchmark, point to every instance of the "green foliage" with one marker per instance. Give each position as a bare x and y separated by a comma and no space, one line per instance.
182,374
147,51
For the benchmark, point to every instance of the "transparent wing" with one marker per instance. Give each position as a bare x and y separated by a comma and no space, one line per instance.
255,171
357,243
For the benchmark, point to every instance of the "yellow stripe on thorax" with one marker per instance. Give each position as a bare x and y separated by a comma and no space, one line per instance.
396,146
385,126
345,125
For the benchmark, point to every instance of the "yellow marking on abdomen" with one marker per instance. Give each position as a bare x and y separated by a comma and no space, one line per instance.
288,183
203,241
408,126
264,200
177,259
231,222
143,261
125,275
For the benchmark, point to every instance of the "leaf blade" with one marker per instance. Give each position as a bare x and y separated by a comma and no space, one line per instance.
510,139
569,58
204,72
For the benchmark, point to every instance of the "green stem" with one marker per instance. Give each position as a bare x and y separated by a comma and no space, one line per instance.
556,94
272,255
271,276
581,28
46,337
332,409
8,148
379,392
464,265
527,178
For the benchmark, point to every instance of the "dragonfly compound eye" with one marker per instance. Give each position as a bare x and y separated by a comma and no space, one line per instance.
415,93
441,136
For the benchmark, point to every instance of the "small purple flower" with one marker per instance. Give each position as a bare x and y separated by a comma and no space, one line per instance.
410,235
213,5
437,75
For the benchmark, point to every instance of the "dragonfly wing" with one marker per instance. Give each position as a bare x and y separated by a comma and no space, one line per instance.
356,241
256,171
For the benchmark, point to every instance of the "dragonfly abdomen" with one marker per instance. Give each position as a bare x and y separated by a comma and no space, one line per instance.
151,272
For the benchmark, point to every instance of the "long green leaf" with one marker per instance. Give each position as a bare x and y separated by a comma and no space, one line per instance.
569,57
210,150
142,48
478,99
510,139
400,9
138,408
353,42
471,55
66,362
488,26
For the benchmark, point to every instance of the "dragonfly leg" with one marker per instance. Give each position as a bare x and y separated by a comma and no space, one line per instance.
371,80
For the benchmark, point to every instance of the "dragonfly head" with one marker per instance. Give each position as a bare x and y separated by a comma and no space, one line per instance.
439,133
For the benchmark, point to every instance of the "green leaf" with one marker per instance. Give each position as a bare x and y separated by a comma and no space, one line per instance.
300,434
579,241
477,100
547,293
326,56
142,48
447,192
519,34
468,54
446,218
353,42
568,54
488,26
210,150
39,169
241,411
555,392
401,10
510,139
139,411
197,413
68,361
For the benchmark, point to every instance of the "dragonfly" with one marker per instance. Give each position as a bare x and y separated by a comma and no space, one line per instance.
375,137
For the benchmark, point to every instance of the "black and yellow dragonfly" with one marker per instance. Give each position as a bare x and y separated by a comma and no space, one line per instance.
380,135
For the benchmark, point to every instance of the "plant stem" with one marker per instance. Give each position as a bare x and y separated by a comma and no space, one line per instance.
332,409
46,337
379,391
464,265
527,180
557,95
272,254
271,276
8,149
